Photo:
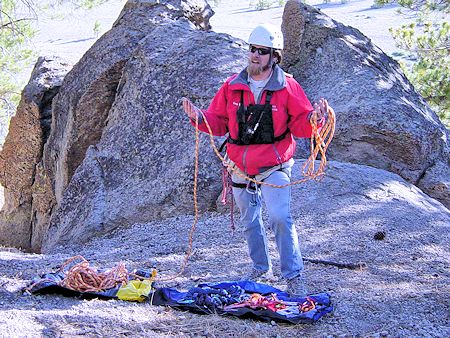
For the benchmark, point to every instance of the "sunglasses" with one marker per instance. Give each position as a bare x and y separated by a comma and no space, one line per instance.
261,51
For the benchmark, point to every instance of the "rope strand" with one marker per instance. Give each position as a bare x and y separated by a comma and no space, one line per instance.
319,142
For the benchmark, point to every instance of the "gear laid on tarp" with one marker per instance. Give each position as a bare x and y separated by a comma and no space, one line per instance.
246,299
81,280
241,299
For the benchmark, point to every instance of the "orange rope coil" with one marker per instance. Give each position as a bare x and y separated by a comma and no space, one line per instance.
83,278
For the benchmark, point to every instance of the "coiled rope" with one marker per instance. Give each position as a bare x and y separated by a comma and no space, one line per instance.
81,277
84,278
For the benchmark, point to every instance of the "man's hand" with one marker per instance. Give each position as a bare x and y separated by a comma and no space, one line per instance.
190,109
321,109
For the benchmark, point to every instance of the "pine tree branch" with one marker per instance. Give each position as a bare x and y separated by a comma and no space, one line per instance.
12,23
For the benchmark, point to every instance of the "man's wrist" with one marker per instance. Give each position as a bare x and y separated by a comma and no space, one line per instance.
199,117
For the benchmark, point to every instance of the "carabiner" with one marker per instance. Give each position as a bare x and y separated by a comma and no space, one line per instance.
252,188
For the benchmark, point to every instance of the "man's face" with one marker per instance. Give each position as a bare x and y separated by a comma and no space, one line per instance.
258,59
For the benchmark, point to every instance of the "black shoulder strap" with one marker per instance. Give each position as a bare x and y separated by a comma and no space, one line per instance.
241,110
269,96
224,143
282,136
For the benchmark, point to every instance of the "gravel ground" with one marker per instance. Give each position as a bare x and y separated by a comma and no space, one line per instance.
403,292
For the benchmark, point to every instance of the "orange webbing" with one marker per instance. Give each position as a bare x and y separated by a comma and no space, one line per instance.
81,277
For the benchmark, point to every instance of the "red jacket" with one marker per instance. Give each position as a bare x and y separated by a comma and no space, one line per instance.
290,110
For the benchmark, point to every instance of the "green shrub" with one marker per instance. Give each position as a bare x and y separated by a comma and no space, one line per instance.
15,32
89,4
428,41
16,19
97,28
263,4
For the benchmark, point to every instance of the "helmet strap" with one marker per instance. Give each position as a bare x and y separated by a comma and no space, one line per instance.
270,63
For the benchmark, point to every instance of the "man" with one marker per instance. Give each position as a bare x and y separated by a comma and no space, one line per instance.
262,108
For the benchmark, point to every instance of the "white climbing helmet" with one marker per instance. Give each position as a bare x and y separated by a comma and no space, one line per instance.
266,35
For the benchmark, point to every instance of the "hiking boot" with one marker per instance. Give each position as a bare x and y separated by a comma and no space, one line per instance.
296,286
258,275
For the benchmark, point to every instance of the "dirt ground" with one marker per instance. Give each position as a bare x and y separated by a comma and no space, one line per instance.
403,291
407,297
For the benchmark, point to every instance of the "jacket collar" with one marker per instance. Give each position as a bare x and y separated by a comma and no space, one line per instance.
276,82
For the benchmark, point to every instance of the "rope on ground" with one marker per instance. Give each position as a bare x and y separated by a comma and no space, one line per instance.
83,278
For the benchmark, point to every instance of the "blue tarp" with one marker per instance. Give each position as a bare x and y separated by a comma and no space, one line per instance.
291,314
49,283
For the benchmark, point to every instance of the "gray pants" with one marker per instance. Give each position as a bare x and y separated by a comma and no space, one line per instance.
277,201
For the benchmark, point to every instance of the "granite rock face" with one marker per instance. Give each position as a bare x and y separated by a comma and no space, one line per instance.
22,150
140,165
79,114
381,120
89,90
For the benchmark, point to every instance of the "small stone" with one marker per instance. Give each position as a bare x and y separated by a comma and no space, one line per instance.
379,235
384,334
272,322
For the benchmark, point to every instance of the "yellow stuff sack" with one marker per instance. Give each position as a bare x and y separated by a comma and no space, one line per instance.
135,290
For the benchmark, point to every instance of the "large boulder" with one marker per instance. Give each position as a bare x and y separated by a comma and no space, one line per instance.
89,90
381,120
22,150
142,166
